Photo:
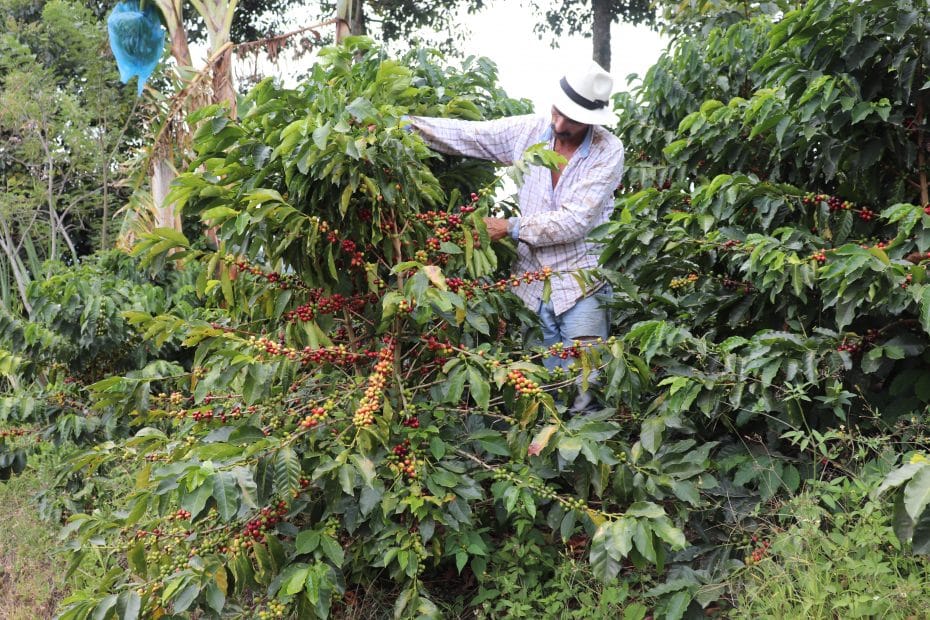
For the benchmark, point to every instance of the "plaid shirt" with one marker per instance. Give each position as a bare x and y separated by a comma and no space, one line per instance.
554,222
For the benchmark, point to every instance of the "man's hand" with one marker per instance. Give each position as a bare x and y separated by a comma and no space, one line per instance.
497,227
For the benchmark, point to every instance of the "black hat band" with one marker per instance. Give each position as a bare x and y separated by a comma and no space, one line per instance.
584,102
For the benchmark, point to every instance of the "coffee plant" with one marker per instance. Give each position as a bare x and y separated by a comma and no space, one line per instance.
341,406
75,334
358,410
770,256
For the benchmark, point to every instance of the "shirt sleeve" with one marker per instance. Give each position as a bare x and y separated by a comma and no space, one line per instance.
500,140
581,205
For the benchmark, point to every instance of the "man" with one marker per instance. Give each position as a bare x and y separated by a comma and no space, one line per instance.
558,208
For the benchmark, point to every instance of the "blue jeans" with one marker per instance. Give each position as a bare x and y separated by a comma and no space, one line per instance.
588,318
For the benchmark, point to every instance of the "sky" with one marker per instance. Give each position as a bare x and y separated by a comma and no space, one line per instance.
530,67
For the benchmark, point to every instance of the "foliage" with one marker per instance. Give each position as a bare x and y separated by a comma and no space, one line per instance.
356,410
78,335
62,122
399,21
834,554
352,411
770,251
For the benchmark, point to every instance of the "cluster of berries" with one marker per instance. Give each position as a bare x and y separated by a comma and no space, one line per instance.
181,515
338,354
356,258
276,609
13,432
412,422
270,516
320,304
439,346
834,203
819,256
560,351
374,391
440,222
468,288
730,244
523,385
731,284
208,415
541,489
849,347
317,415
691,278
284,282
759,552
401,449
404,461
907,280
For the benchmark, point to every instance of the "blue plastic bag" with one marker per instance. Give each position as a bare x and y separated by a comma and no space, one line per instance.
137,39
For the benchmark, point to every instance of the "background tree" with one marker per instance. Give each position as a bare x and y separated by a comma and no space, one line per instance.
397,21
64,123
591,18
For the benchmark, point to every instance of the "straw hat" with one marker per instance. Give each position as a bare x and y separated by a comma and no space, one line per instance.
584,95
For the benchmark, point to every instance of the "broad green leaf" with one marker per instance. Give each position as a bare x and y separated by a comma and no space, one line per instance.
899,476
917,493
480,389
226,494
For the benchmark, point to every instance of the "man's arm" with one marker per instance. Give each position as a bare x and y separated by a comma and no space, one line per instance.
499,140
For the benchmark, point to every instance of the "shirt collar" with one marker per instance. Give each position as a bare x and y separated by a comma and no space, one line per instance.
583,149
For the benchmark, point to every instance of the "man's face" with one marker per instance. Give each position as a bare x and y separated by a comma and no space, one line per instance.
565,129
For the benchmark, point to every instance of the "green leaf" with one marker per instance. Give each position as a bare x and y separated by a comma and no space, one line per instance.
480,389
365,467
332,550
642,539
925,308
226,494
362,109
569,447
669,533
897,477
901,522
293,579
917,493
102,610
287,471
677,605
920,542
478,322
437,448
651,433
136,559
307,541
128,605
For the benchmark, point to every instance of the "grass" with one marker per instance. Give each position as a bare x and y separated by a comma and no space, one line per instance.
836,566
31,576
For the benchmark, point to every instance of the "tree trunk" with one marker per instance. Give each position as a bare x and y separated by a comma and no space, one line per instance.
223,91
602,17
351,19
163,173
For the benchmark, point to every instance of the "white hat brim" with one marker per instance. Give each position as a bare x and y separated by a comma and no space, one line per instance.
598,116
